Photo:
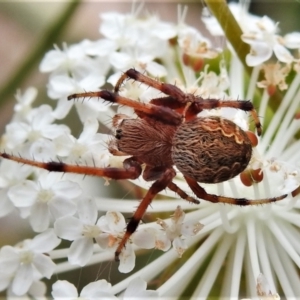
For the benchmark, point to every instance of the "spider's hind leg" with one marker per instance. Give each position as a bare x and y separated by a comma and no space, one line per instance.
202,194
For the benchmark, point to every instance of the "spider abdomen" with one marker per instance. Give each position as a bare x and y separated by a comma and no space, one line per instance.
211,149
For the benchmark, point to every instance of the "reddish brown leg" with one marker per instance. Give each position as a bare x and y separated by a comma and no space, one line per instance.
201,104
198,103
155,173
132,225
165,114
132,169
189,112
167,88
202,194
173,187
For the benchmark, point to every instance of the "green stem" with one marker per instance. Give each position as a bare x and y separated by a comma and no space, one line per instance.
233,33
43,44
231,29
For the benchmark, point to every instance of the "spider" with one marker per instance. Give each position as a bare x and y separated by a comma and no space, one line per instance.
168,133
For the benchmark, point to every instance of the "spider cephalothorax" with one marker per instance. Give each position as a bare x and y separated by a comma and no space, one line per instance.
169,133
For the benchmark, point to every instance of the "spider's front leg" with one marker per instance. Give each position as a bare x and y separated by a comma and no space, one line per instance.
166,88
244,105
165,114
159,185
132,168
177,99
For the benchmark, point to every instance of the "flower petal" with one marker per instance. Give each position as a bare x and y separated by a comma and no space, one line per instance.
144,238
81,251
67,189
116,221
9,259
6,205
44,265
38,290
283,54
191,228
100,288
68,228
63,289
44,242
260,53
23,279
5,279
137,289
87,211
127,259
61,207
23,194
39,216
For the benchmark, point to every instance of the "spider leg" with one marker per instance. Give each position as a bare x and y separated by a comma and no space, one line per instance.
166,88
132,225
165,114
155,173
132,169
173,187
201,104
168,101
198,103
202,194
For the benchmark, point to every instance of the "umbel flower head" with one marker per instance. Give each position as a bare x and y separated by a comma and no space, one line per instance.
197,251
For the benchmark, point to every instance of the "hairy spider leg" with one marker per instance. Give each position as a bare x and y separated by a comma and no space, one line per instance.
244,105
173,187
159,185
202,194
162,113
177,95
131,170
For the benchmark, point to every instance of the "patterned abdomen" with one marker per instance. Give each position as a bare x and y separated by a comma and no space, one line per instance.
211,149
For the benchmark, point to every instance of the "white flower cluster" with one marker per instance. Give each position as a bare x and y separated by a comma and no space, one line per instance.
64,207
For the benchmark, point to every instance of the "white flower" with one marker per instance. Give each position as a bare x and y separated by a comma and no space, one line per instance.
236,243
24,103
260,34
90,148
179,229
71,59
35,133
274,76
81,231
25,263
48,198
99,289
264,41
137,290
60,86
194,44
112,226
134,45
11,175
